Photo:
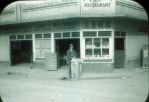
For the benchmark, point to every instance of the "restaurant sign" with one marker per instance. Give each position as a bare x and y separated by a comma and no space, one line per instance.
49,3
143,29
96,24
74,25
97,6
18,29
42,27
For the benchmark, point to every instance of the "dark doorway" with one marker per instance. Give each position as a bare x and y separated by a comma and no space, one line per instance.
62,45
119,56
21,52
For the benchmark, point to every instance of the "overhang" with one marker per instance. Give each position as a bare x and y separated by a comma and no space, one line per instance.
75,17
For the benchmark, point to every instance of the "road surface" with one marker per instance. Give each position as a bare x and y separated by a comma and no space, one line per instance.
25,88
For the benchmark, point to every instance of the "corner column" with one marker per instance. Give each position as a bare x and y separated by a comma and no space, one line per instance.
52,43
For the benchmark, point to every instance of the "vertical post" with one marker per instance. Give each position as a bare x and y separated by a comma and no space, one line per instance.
80,6
52,43
21,12
124,53
33,39
81,45
18,12
4,45
112,46
114,6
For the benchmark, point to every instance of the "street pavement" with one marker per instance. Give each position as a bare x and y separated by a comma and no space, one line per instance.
22,84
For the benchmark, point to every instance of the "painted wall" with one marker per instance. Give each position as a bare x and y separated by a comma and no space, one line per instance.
130,8
135,39
4,46
8,15
58,9
51,11
4,50
7,48
2,57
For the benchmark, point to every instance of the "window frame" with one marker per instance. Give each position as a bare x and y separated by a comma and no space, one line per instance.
100,48
40,49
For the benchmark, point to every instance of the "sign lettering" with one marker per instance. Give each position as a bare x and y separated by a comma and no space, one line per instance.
51,61
42,27
143,29
50,3
97,6
66,26
97,24
18,29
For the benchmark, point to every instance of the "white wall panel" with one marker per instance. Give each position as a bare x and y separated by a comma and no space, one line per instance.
52,12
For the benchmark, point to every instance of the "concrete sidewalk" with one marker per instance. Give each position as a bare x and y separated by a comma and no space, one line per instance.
24,69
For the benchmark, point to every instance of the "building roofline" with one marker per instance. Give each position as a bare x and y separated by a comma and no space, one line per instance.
75,17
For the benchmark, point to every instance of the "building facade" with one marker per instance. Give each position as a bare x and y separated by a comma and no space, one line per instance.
105,33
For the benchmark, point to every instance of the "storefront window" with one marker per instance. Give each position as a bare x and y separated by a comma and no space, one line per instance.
96,47
97,53
105,42
97,42
105,52
88,52
88,42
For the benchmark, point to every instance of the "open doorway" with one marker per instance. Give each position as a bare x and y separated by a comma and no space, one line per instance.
62,45
119,56
20,52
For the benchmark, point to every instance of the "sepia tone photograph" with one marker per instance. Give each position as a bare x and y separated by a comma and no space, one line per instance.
74,51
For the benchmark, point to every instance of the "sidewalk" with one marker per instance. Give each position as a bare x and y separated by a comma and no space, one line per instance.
24,69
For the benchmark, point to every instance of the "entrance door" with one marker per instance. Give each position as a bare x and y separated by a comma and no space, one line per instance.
62,45
119,56
21,52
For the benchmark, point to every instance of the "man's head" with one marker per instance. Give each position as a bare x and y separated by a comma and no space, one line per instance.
71,46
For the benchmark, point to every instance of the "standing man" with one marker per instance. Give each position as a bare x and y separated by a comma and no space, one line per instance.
70,55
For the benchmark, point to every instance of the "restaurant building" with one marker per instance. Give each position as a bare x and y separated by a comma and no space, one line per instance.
105,33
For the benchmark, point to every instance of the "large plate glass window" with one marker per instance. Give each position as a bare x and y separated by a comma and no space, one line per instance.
97,47
105,47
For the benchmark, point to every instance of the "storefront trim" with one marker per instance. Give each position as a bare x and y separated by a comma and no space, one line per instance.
97,61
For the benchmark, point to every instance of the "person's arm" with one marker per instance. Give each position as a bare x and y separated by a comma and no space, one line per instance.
68,55
75,54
